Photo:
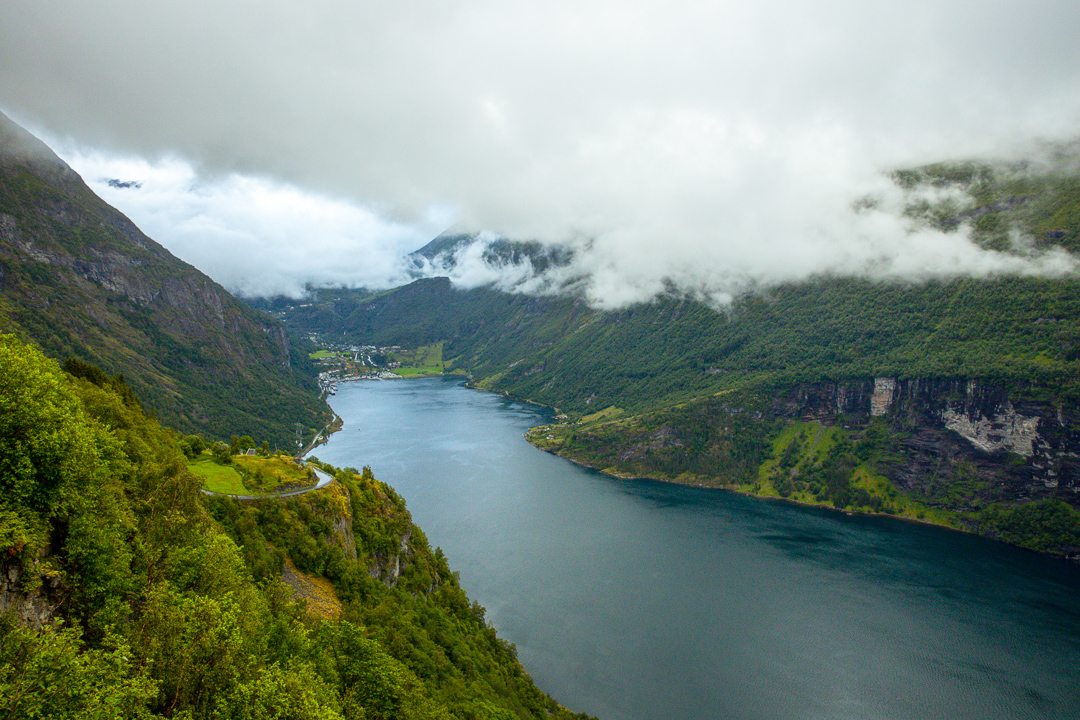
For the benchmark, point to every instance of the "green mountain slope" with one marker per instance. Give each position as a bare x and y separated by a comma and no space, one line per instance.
125,595
1020,332
79,279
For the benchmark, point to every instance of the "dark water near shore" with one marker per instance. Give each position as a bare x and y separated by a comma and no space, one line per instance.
638,599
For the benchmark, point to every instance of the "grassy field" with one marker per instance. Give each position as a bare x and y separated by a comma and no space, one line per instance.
218,478
608,413
262,474
322,354
266,474
425,360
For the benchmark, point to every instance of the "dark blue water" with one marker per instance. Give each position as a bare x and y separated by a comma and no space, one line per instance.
638,599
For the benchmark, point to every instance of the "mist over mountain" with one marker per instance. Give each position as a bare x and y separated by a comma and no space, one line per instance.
911,224
975,219
79,279
715,148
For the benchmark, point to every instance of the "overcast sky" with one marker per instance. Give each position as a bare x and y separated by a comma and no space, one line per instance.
711,143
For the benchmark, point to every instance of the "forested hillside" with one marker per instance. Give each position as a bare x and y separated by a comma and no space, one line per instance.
79,279
969,387
1019,332
126,595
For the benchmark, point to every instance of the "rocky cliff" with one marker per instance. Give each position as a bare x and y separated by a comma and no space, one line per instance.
1012,446
27,597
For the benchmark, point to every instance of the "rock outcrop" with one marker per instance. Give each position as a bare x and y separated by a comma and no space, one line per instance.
28,603
1011,447
386,567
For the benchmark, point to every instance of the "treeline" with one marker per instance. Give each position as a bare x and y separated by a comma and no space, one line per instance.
128,599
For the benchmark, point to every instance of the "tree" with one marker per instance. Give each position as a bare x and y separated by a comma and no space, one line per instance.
46,441
61,469
49,674
192,445
222,453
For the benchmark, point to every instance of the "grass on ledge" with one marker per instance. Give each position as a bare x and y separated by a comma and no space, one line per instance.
218,478
264,474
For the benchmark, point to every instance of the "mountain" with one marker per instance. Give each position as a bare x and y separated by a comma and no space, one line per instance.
955,400
445,250
77,278
126,592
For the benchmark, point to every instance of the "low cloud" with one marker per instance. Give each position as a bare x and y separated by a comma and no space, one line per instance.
716,145
795,233
254,236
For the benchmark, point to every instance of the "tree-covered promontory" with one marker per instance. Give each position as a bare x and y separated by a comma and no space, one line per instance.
126,593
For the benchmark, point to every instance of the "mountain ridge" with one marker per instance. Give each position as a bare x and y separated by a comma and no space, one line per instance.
78,278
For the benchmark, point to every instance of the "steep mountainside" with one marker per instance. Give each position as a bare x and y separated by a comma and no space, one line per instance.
79,279
123,595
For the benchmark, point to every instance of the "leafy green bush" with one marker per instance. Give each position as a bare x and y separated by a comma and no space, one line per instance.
1043,525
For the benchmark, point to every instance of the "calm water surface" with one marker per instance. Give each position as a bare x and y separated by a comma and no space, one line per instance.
638,599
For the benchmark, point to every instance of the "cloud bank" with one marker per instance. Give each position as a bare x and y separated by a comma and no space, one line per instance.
255,236
713,144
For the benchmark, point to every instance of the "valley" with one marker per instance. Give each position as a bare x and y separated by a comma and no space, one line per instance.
540,361
973,430
129,384
952,401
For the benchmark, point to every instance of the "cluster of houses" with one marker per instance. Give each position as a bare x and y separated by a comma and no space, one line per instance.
341,368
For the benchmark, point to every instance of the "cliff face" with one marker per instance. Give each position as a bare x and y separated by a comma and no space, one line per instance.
1005,447
78,278
333,504
29,603
386,566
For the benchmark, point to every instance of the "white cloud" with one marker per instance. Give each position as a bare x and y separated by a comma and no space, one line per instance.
713,143
252,235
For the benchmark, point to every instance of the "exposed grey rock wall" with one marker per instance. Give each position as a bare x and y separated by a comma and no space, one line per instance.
1008,447
387,568
31,609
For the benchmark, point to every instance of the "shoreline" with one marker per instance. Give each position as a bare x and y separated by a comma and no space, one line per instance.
851,513
471,384
759,496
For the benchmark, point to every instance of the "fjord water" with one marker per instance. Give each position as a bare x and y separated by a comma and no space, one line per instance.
638,599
